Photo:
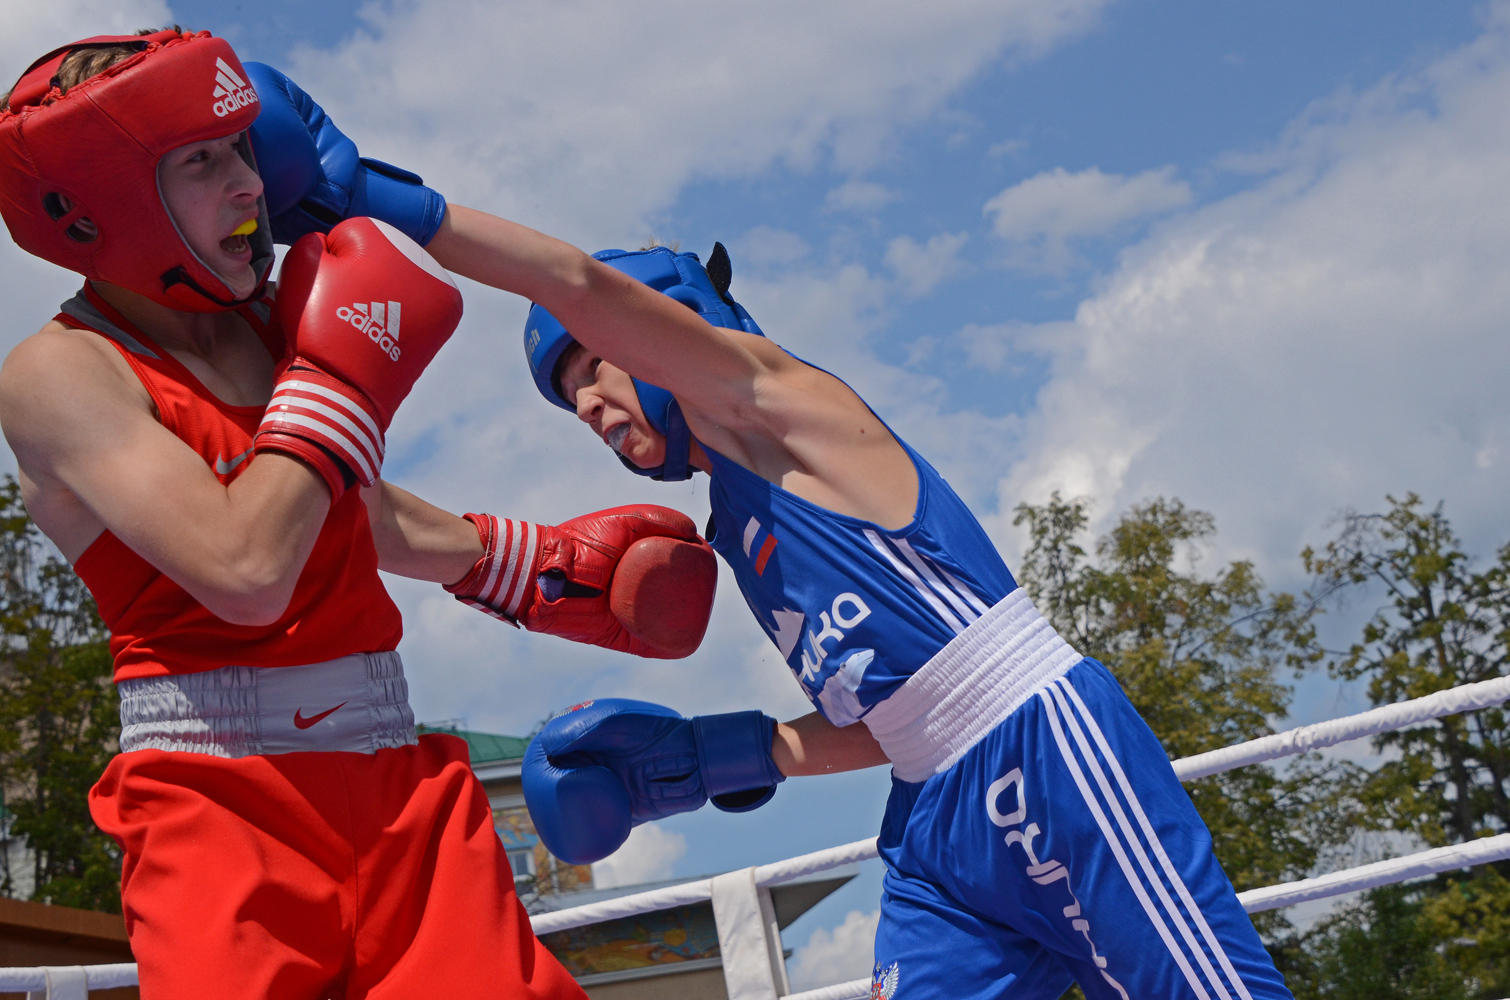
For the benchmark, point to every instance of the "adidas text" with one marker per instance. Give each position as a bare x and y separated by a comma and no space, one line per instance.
231,89
380,321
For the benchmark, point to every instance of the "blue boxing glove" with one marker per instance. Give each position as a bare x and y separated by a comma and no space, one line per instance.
609,765
313,177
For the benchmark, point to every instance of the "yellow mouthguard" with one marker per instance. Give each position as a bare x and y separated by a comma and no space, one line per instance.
247,228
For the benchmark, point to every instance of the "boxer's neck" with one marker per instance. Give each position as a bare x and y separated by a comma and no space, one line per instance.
200,333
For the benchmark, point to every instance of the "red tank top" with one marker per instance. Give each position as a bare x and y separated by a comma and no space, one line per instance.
339,605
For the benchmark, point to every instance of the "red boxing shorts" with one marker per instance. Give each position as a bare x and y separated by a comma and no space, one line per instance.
319,876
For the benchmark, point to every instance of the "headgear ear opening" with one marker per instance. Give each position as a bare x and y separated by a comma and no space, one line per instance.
75,224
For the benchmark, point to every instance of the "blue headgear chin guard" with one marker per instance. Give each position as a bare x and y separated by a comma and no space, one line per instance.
679,275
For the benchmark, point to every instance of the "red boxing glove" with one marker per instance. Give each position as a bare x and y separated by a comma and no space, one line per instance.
343,301
636,579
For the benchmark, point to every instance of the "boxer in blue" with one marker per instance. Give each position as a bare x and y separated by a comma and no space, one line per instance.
1036,834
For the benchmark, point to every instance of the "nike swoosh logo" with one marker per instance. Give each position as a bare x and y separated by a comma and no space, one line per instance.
224,468
301,722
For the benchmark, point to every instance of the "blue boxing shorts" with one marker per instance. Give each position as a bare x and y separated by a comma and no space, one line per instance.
1058,848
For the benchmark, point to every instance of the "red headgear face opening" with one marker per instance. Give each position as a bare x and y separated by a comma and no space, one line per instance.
78,171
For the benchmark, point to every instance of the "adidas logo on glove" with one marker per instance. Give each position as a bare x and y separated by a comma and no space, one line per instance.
378,321
231,89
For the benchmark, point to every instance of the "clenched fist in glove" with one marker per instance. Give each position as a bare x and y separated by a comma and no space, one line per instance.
364,310
612,764
313,176
637,579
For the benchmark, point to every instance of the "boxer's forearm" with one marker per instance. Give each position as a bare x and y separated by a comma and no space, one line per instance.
506,255
242,555
238,550
619,319
417,539
813,745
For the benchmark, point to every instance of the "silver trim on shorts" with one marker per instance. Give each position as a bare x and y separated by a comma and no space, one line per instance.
358,703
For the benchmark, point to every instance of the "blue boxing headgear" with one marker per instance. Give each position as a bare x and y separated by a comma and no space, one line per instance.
681,276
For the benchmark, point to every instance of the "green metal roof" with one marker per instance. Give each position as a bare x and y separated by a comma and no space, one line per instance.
485,748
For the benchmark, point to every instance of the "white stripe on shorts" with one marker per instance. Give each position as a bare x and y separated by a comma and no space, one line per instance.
1122,839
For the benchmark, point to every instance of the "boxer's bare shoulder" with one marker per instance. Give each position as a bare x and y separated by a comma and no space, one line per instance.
63,357
65,393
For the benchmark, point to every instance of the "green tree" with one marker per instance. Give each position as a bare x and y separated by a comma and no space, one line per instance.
1442,624
59,719
1468,918
1381,947
1200,657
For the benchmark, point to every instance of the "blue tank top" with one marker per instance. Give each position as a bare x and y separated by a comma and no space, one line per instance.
854,608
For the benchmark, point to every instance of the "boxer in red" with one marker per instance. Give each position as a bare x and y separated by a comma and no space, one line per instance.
208,456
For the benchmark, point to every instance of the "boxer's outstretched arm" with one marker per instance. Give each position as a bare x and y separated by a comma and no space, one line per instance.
417,539
813,745
741,394
91,450
620,319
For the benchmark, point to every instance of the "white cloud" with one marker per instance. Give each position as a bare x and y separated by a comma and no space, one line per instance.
859,196
648,855
840,955
1001,346
582,117
920,267
32,29
1334,333
1043,214
1006,148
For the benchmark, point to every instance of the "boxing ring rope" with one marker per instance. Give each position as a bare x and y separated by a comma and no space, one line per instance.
67,982
1468,698
855,989
701,891
744,895
1442,859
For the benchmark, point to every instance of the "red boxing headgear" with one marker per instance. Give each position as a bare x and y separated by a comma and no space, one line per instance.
98,147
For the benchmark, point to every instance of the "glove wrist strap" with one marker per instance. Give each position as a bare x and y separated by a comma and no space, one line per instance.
311,405
502,581
734,758
337,477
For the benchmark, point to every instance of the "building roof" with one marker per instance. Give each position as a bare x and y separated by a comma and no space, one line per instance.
485,748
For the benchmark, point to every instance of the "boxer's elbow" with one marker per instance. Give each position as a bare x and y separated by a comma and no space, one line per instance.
248,607
254,589
578,282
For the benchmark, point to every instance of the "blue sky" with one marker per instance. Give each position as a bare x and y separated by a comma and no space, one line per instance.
1253,255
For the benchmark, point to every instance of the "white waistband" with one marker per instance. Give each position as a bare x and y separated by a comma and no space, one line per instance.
358,703
983,675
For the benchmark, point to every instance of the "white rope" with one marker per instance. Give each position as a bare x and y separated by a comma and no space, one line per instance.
858,989
1442,859
624,906
101,977
807,864
1467,698
701,890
